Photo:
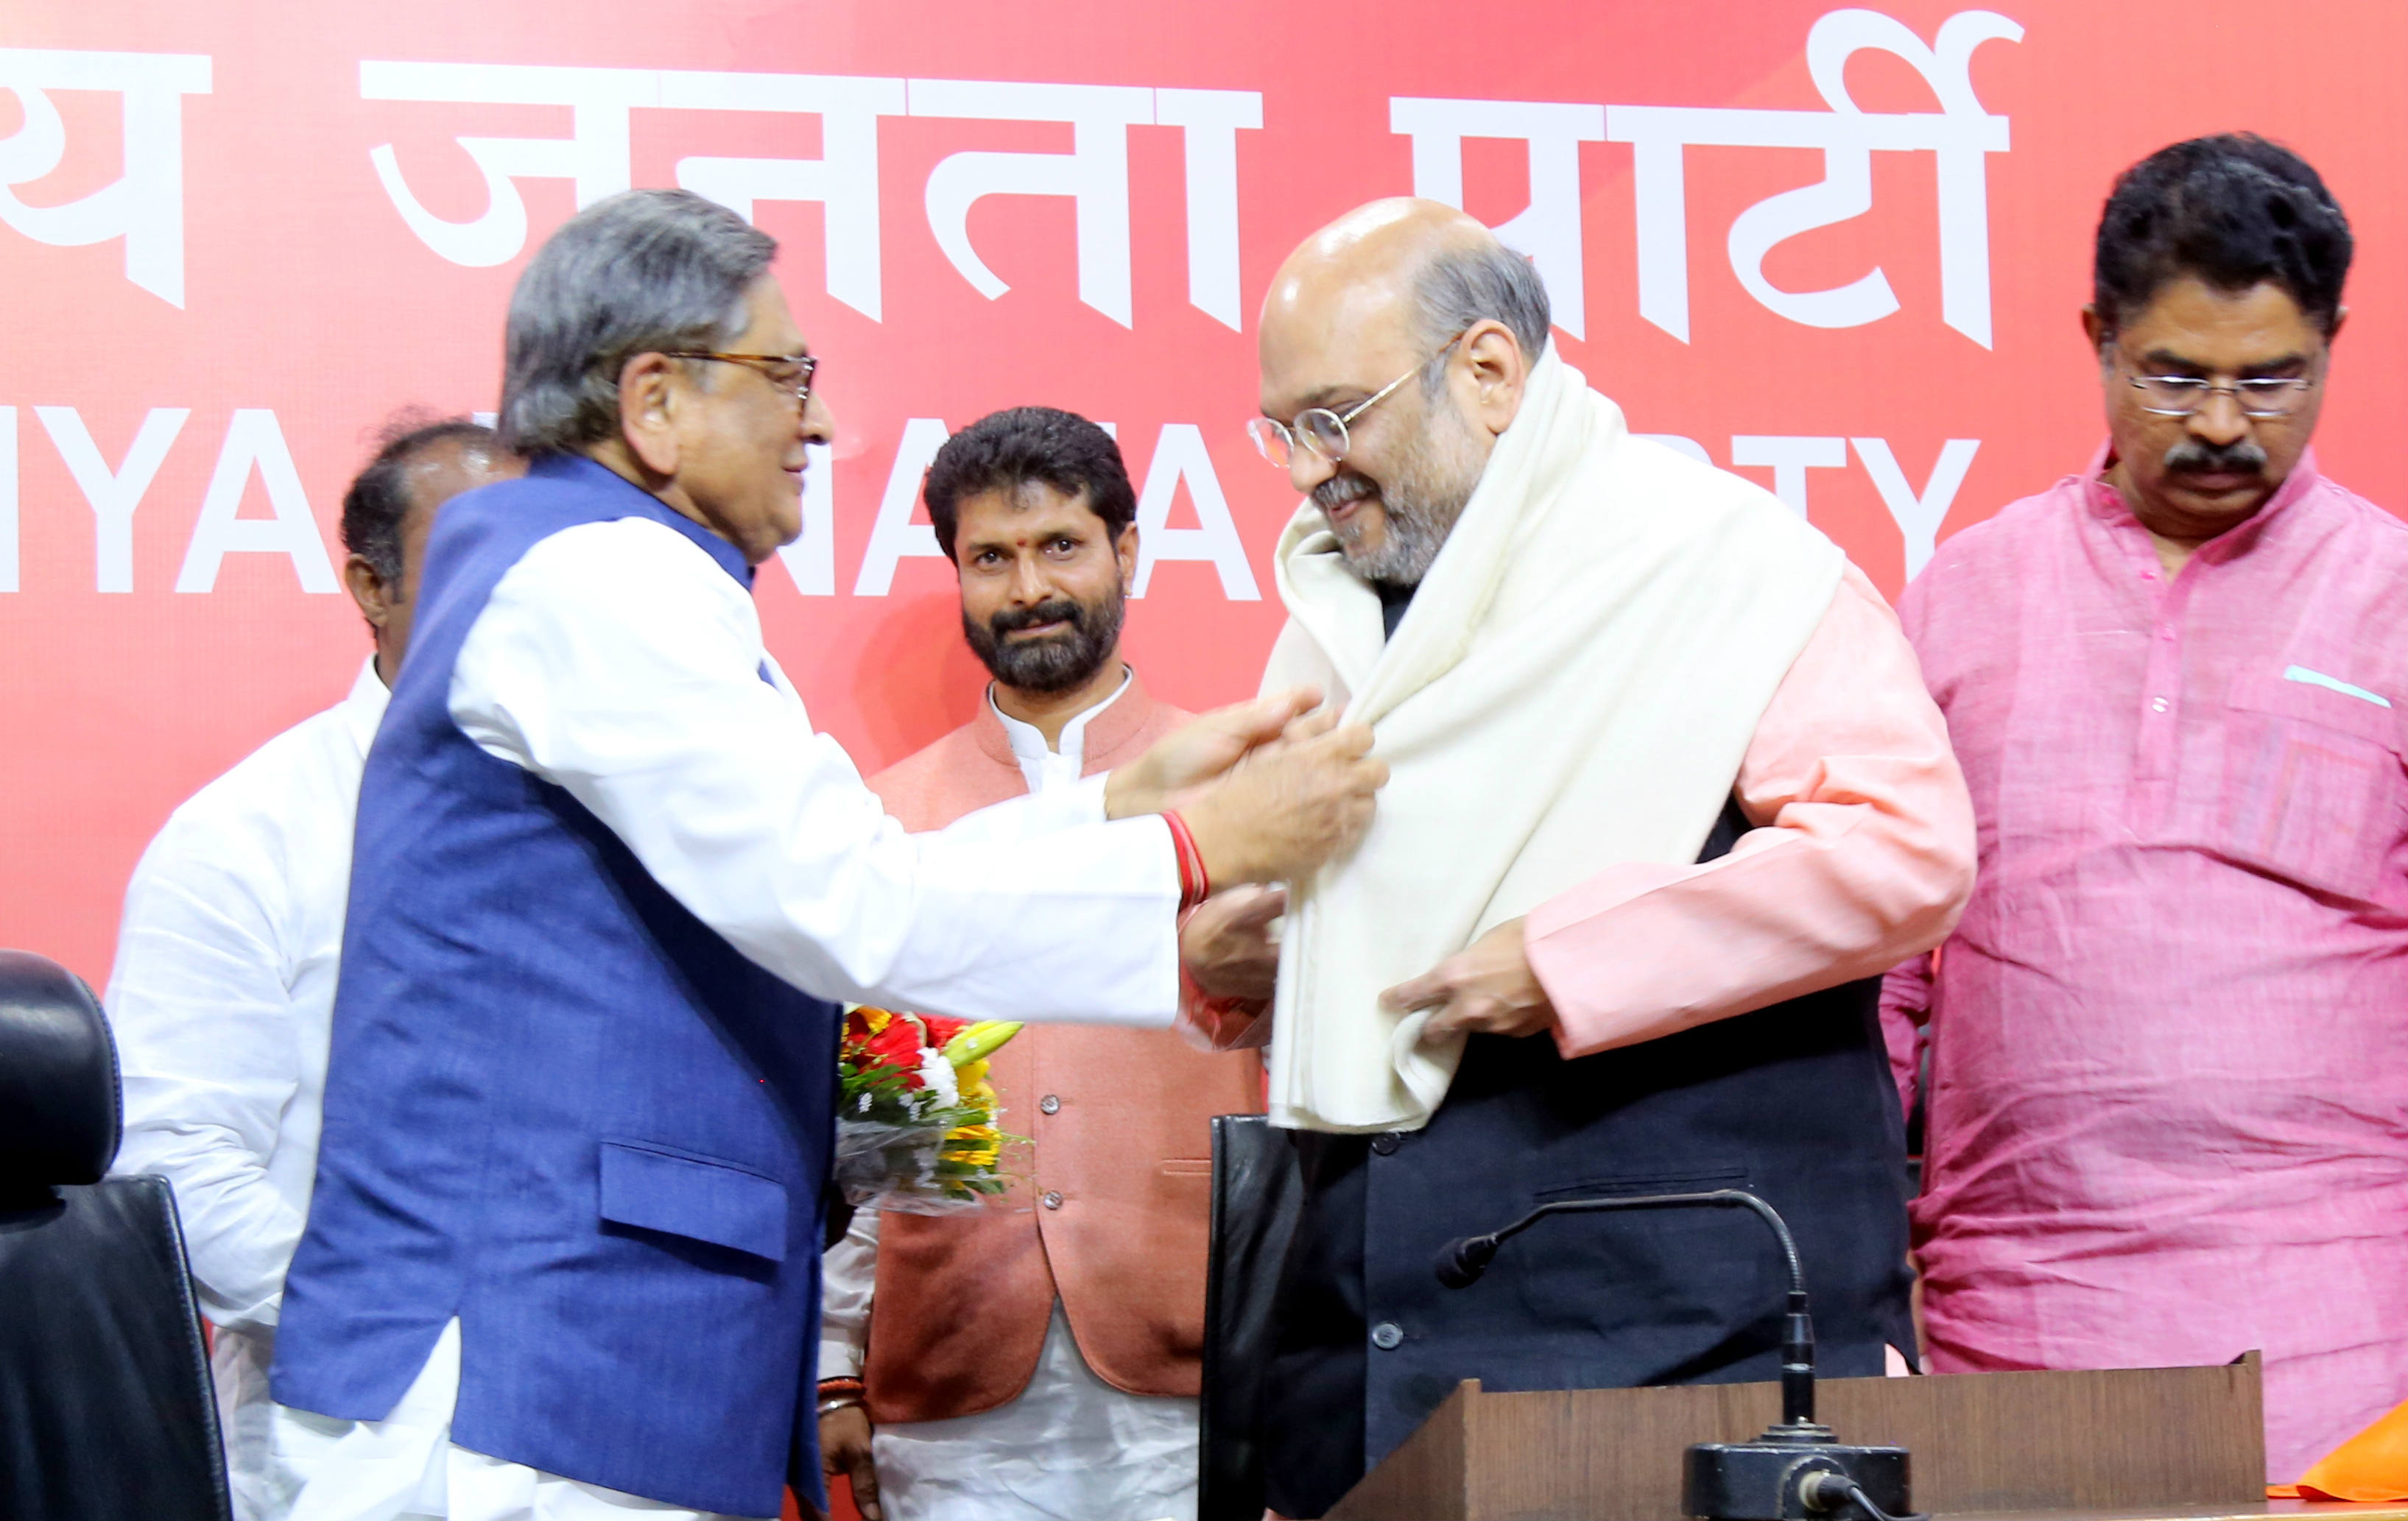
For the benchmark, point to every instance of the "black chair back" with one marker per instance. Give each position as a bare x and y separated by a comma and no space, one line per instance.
105,1407
1257,1195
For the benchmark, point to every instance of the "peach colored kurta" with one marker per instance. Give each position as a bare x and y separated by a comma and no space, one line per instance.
1863,855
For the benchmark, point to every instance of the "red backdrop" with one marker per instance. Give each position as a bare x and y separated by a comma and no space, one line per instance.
214,295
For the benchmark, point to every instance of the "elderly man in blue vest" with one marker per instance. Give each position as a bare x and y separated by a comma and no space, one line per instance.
562,1259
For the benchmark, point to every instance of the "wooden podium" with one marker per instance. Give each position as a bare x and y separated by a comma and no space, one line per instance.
2153,1442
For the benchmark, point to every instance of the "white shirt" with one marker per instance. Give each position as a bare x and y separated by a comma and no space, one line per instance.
1069,1446
1045,768
619,661
219,999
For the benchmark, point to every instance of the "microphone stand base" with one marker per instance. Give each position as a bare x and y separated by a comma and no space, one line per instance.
1763,1480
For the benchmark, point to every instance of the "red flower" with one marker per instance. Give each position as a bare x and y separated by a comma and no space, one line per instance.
898,1046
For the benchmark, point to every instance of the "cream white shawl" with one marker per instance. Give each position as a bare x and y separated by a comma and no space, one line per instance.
1574,686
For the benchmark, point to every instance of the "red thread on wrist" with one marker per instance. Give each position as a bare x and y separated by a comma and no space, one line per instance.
841,1386
1194,884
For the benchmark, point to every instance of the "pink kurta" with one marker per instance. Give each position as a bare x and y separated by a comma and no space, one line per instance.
1861,857
1864,855
2168,1111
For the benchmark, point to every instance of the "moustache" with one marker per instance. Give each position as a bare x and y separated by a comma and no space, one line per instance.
1342,488
1054,610
2196,457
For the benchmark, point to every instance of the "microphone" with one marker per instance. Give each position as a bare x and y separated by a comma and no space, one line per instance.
1797,1468
1461,1262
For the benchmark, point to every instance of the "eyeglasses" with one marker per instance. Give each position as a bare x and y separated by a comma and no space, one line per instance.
787,371
1322,430
2180,396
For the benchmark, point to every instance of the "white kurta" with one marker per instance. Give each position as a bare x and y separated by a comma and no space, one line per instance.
225,978
619,661
1071,1447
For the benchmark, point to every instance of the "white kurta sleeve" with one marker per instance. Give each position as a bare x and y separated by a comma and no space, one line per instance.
206,1046
619,661
848,1283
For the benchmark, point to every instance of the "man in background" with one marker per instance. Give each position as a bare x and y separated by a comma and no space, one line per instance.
1039,1360
227,956
2170,1038
1667,797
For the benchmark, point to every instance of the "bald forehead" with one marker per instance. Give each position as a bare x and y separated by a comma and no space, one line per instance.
1399,231
1340,310
449,466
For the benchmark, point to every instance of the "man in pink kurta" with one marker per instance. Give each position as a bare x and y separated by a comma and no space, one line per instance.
2167,1107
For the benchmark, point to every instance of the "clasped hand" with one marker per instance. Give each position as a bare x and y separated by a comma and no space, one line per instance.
1269,788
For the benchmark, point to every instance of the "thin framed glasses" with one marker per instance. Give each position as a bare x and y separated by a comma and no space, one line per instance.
2180,396
1322,428
787,371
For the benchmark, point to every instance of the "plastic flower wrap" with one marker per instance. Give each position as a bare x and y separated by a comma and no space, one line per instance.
916,1118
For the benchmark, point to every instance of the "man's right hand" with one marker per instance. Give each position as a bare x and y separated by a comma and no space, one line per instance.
1289,805
844,1449
1227,943
1201,750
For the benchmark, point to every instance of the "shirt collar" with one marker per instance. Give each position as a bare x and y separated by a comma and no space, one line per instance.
2108,504
594,475
363,709
1027,740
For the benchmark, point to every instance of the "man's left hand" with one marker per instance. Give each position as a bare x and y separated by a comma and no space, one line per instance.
1487,989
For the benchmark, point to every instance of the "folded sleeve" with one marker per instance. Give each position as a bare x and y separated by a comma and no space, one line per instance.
1862,857
617,661
209,1058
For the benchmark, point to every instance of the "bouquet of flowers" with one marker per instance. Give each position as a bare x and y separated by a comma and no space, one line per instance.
916,1118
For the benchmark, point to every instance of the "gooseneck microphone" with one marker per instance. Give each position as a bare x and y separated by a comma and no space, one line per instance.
1796,1469
1461,1261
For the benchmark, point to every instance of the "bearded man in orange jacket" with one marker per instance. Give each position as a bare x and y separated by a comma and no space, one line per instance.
1040,1358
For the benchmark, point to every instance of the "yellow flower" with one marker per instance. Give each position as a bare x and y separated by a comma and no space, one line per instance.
971,1082
978,1145
979,1041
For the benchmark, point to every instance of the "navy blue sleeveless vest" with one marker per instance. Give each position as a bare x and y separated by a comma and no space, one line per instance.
560,1107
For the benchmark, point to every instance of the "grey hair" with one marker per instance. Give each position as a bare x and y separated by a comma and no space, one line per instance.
644,271
1459,287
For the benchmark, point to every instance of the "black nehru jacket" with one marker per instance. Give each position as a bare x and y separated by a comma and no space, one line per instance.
1794,1102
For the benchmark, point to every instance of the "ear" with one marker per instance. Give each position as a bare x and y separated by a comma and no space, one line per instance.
2094,327
368,590
1125,550
2340,315
1499,371
649,395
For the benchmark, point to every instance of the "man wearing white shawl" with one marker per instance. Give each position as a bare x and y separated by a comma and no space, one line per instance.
1666,796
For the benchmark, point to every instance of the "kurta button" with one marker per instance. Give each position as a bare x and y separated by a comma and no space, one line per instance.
1387,1336
2156,704
1386,1143
1052,1198
1048,1104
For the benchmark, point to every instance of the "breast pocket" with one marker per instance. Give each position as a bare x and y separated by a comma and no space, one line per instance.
2314,788
692,1197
